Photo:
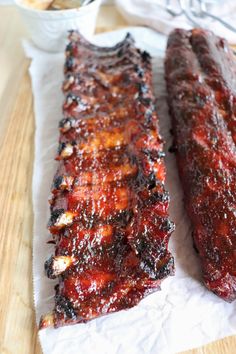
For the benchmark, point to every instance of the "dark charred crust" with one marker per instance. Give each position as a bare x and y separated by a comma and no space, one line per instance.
66,124
49,269
63,121
166,270
122,218
142,88
167,226
154,268
146,56
143,182
146,101
154,155
57,182
64,307
120,53
69,64
129,37
141,245
151,179
148,116
55,214
69,49
139,71
73,98
62,183
160,197
151,183
61,147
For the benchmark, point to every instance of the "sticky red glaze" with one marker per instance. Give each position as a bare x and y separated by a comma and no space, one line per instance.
110,180
201,81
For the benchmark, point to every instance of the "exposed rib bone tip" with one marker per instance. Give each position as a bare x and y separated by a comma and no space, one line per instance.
64,219
46,321
55,266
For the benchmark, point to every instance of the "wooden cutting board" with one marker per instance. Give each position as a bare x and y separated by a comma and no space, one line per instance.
18,331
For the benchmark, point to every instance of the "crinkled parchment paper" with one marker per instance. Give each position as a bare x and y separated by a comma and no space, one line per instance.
183,314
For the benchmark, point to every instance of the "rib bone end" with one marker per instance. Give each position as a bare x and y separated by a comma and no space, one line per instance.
46,321
55,266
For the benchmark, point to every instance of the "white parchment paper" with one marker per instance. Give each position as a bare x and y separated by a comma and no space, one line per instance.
181,316
153,13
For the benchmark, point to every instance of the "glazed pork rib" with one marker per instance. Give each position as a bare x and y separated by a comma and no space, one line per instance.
109,208
200,73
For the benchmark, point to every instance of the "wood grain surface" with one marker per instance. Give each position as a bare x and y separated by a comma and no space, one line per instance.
18,333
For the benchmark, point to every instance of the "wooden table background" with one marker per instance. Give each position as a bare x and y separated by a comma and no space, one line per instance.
18,333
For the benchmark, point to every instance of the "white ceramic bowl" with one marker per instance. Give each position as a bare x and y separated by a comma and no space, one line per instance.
49,29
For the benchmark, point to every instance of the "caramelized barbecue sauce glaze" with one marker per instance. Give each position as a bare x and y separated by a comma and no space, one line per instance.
202,105
111,246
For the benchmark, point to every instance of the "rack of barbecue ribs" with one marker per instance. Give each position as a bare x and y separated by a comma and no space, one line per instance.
200,73
109,208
